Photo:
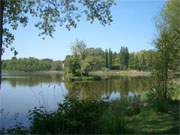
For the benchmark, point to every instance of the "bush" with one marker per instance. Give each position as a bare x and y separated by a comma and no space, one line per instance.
79,116
73,116
156,100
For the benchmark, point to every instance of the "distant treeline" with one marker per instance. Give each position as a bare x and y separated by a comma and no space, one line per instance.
84,60
31,64
123,60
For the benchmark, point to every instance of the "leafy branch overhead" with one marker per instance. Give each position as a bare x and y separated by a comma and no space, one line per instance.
48,14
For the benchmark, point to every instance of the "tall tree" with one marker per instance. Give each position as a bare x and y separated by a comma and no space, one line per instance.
106,55
168,46
110,59
124,58
78,49
95,56
50,13
132,61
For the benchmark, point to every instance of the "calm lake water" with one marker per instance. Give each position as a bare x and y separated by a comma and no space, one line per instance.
22,92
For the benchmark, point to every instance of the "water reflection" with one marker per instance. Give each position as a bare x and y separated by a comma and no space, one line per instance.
21,93
32,79
105,88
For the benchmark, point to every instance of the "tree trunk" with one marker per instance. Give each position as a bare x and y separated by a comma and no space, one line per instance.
166,72
1,36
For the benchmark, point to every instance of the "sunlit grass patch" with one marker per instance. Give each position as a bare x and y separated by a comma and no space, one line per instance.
151,121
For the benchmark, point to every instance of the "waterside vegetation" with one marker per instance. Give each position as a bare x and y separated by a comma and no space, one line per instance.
127,115
157,111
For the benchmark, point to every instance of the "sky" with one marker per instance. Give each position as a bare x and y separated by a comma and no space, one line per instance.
133,26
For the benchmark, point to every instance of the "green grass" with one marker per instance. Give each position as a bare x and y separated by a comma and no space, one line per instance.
151,121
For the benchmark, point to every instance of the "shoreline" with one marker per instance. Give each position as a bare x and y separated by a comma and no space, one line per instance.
131,73
99,73
6,73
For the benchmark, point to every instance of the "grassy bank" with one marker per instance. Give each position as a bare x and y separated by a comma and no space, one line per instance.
120,73
151,121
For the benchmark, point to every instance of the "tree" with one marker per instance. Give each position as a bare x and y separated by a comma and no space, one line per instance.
137,65
142,62
97,57
150,57
168,46
110,59
106,55
115,60
31,64
72,66
89,59
78,49
88,65
124,58
56,65
132,61
50,13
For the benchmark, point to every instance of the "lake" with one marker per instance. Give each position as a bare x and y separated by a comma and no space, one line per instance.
22,92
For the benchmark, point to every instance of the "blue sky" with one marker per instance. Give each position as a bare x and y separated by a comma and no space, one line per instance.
133,26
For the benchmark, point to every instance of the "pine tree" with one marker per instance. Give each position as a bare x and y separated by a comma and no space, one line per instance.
110,59
106,55
124,58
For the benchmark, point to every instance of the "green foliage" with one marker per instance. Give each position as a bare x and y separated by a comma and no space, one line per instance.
18,129
124,58
88,64
83,60
110,59
73,116
142,60
168,48
106,55
127,115
132,62
78,49
93,59
83,116
100,117
151,121
72,66
155,99
31,65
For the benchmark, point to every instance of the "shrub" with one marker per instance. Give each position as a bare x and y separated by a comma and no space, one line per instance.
73,116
